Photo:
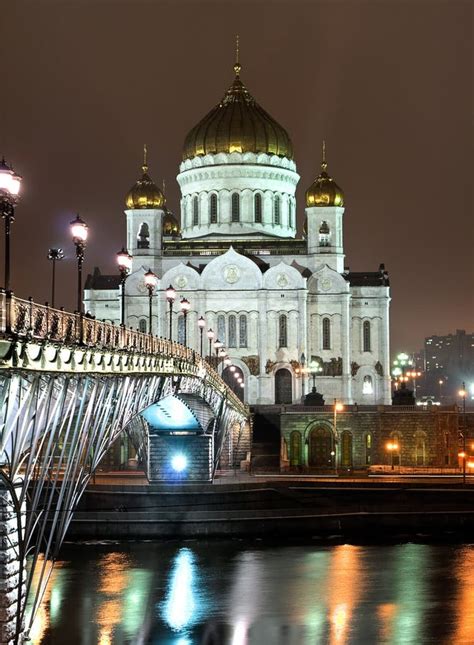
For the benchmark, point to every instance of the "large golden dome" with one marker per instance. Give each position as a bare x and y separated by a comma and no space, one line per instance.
324,191
145,193
237,124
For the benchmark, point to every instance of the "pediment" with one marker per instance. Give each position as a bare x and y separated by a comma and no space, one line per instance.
283,276
182,276
325,281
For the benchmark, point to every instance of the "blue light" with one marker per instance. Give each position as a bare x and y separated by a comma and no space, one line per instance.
179,462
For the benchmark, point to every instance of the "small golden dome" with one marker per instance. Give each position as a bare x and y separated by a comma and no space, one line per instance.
237,124
144,194
170,224
324,191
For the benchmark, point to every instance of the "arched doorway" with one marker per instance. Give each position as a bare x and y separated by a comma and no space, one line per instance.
321,446
283,389
231,376
346,450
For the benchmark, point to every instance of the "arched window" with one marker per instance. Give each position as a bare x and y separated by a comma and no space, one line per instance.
232,331
283,331
142,325
195,210
276,210
290,213
213,209
346,449
326,333
243,331
257,206
367,385
143,237
395,453
366,334
221,329
181,329
235,207
283,386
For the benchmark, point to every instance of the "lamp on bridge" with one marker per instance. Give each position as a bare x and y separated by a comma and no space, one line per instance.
185,307
10,184
171,297
210,336
124,262
151,281
201,325
79,237
54,255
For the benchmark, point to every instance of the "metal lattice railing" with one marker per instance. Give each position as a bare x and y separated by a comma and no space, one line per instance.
28,320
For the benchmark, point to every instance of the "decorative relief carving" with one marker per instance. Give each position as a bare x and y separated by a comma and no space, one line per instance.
282,280
379,368
332,367
181,281
253,363
354,368
296,365
269,366
231,273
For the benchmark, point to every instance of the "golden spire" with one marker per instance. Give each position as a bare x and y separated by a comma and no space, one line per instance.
145,163
324,164
237,65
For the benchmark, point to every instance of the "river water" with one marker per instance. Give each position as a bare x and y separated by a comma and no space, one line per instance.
252,593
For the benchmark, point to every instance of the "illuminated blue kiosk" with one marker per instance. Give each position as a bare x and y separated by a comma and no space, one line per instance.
180,439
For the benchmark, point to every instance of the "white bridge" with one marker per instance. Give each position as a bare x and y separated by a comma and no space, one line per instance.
69,385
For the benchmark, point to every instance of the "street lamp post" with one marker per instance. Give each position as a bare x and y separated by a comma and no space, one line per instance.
314,369
302,362
185,307
170,297
10,184
210,336
392,446
124,263
217,345
79,237
54,255
201,325
151,281
338,407
462,394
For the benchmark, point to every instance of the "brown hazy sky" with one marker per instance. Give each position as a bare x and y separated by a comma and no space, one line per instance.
389,85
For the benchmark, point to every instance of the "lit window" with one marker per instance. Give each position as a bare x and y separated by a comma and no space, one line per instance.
367,386
221,328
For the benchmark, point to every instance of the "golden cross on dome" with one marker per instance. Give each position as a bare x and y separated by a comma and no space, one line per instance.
324,164
237,66
145,163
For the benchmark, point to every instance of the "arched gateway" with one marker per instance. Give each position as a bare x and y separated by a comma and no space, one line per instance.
321,445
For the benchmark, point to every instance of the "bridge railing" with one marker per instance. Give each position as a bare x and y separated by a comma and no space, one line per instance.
26,319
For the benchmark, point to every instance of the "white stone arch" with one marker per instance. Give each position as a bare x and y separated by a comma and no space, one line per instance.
230,271
191,280
272,278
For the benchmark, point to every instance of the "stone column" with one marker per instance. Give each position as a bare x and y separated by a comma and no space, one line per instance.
12,570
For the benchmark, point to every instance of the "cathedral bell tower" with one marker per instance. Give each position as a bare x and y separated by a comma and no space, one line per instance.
323,226
145,210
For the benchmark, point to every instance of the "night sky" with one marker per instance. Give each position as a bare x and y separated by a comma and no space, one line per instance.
389,85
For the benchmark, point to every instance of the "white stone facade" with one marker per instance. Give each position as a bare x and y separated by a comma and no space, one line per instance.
271,298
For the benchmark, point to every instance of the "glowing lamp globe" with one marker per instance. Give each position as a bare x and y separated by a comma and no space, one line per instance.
124,261
179,463
78,230
151,280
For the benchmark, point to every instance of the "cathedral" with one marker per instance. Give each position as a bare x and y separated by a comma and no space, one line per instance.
289,315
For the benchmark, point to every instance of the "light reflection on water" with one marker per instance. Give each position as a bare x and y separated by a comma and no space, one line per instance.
236,593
